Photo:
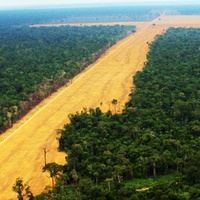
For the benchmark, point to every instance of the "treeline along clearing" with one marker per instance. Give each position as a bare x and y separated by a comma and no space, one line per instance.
34,62
157,134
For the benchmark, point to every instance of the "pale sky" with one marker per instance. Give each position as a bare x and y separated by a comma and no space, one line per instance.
67,2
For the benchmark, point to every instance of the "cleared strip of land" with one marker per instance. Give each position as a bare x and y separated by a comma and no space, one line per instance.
167,20
108,78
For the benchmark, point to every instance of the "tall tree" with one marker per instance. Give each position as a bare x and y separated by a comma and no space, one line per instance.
22,189
53,169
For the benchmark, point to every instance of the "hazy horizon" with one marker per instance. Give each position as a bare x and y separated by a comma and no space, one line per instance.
75,3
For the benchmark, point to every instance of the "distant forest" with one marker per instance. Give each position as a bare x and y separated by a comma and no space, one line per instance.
78,15
92,14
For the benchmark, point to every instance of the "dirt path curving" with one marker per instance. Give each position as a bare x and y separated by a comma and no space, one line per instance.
108,78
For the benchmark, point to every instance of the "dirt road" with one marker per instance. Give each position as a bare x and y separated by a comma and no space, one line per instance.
108,78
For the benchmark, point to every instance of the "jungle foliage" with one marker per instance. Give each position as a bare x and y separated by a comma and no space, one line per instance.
34,62
154,143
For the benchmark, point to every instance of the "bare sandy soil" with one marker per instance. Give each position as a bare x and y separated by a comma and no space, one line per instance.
167,20
108,78
88,24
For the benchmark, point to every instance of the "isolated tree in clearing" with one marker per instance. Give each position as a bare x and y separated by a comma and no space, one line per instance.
114,103
53,170
22,189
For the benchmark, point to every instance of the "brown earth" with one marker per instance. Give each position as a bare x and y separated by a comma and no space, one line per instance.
110,77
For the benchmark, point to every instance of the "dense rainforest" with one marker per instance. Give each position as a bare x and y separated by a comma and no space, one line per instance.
78,15
151,150
34,62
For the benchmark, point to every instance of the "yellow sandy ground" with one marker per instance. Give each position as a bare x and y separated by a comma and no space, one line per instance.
142,189
108,78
